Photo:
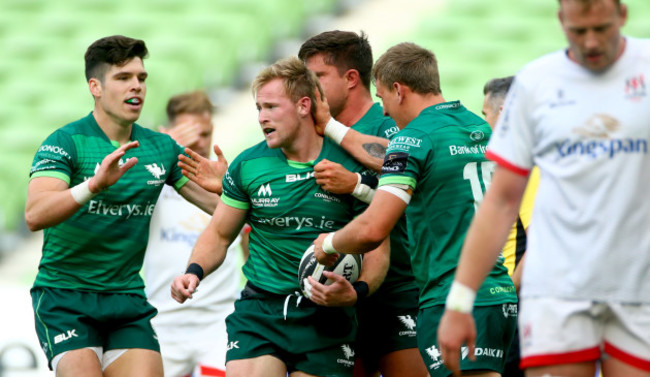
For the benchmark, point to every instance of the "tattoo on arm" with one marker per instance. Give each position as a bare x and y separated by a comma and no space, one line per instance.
375,149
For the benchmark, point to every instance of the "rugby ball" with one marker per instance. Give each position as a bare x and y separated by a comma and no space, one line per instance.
348,266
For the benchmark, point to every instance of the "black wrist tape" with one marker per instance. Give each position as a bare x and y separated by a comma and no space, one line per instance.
362,289
369,180
196,269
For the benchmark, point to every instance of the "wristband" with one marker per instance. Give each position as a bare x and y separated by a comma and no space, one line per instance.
81,193
328,247
362,289
335,130
369,180
363,192
196,269
460,298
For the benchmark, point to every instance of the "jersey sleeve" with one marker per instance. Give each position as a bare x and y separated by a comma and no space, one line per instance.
405,157
512,142
234,194
55,157
176,177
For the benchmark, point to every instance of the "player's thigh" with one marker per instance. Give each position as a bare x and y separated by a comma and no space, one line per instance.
136,362
403,363
495,327
80,362
612,367
65,321
387,323
558,331
627,339
261,366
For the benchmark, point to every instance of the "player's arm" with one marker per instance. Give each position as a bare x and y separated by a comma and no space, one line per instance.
368,230
195,194
210,250
51,201
368,150
341,292
485,237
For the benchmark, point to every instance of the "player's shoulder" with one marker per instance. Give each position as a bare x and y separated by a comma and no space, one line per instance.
640,47
255,153
539,69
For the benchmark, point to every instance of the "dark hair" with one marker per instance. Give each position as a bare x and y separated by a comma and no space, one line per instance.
410,65
196,102
496,90
589,3
342,49
113,50
498,86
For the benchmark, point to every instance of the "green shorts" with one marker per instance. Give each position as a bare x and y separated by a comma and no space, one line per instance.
306,337
387,323
68,320
495,328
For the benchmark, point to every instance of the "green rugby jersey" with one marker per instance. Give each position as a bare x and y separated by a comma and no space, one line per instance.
101,247
400,276
440,154
287,210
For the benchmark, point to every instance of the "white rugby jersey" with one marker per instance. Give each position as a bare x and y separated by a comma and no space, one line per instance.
175,226
590,232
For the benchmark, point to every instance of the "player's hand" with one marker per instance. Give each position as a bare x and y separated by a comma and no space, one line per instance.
455,330
184,286
339,293
321,256
110,170
204,172
322,113
333,177
186,134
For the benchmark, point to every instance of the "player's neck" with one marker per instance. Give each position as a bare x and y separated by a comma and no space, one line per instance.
355,108
306,146
114,129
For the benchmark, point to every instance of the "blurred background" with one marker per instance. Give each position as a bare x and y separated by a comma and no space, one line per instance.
218,46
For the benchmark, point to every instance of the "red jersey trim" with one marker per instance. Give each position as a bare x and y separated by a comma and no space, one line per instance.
502,162
589,354
627,358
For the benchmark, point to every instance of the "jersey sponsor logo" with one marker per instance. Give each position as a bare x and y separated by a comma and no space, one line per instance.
229,179
452,105
404,143
348,352
464,149
65,336
499,290
509,310
395,162
299,177
173,235
409,323
489,352
560,100
390,132
635,87
477,135
157,172
298,222
54,149
37,166
327,197
264,191
99,207
598,140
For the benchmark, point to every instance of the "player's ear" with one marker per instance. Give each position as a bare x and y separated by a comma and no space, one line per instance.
304,106
352,77
95,86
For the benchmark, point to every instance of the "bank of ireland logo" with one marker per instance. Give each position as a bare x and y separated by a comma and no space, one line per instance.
409,324
477,136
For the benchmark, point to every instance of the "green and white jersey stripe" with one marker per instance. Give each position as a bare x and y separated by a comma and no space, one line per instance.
440,155
287,210
101,247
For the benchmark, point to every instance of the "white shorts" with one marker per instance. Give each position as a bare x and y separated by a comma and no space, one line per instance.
558,331
199,351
